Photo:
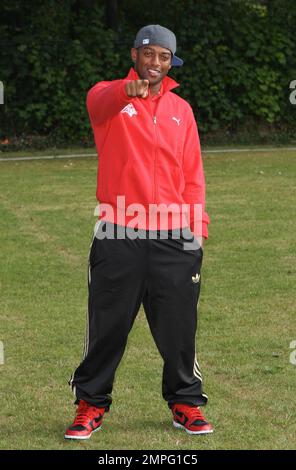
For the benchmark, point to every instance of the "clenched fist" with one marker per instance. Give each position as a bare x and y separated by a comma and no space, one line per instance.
137,88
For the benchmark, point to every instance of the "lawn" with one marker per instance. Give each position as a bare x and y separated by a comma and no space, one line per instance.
246,313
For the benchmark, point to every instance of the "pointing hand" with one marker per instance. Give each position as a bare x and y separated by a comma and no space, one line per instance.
137,88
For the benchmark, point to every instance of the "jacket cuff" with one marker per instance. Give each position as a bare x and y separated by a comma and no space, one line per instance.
205,232
200,227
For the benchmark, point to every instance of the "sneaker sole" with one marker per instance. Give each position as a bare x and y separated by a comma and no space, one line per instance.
180,426
82,437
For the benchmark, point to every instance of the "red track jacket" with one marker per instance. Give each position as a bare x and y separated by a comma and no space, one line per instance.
149,152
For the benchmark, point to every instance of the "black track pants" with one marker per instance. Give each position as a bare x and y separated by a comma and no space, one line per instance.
123,273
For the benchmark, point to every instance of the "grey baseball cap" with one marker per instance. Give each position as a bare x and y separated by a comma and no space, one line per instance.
159,36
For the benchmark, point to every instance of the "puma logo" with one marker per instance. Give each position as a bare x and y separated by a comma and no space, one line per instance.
177,120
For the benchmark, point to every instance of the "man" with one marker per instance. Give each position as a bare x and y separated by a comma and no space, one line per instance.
149,164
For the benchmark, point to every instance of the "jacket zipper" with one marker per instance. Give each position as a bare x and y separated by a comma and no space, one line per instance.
155,160
154,119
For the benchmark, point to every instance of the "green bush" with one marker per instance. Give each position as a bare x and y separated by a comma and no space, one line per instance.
239,60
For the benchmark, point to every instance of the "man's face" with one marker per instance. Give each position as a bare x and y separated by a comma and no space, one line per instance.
152,62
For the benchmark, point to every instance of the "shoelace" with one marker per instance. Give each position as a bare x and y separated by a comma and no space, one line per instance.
194,413
84,413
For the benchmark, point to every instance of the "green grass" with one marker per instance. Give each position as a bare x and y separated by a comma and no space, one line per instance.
246,316
55,151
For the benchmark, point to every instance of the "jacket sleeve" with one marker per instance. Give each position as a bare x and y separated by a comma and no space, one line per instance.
194,192
105,100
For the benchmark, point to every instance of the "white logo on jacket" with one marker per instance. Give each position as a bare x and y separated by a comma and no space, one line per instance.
177,120
129,109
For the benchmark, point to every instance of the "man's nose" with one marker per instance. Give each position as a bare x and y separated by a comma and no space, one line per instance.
155,60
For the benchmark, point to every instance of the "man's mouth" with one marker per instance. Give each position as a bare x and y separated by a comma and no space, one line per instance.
153,72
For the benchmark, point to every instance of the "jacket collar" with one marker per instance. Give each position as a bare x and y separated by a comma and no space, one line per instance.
167,83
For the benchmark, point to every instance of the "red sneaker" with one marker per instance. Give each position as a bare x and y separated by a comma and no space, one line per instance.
191,419
88,419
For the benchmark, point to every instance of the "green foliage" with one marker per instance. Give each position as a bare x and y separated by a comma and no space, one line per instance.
237,64
239,60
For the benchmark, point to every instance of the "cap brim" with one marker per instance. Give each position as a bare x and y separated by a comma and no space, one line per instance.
176,61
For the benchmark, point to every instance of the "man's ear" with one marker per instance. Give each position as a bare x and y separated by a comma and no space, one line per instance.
134,54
